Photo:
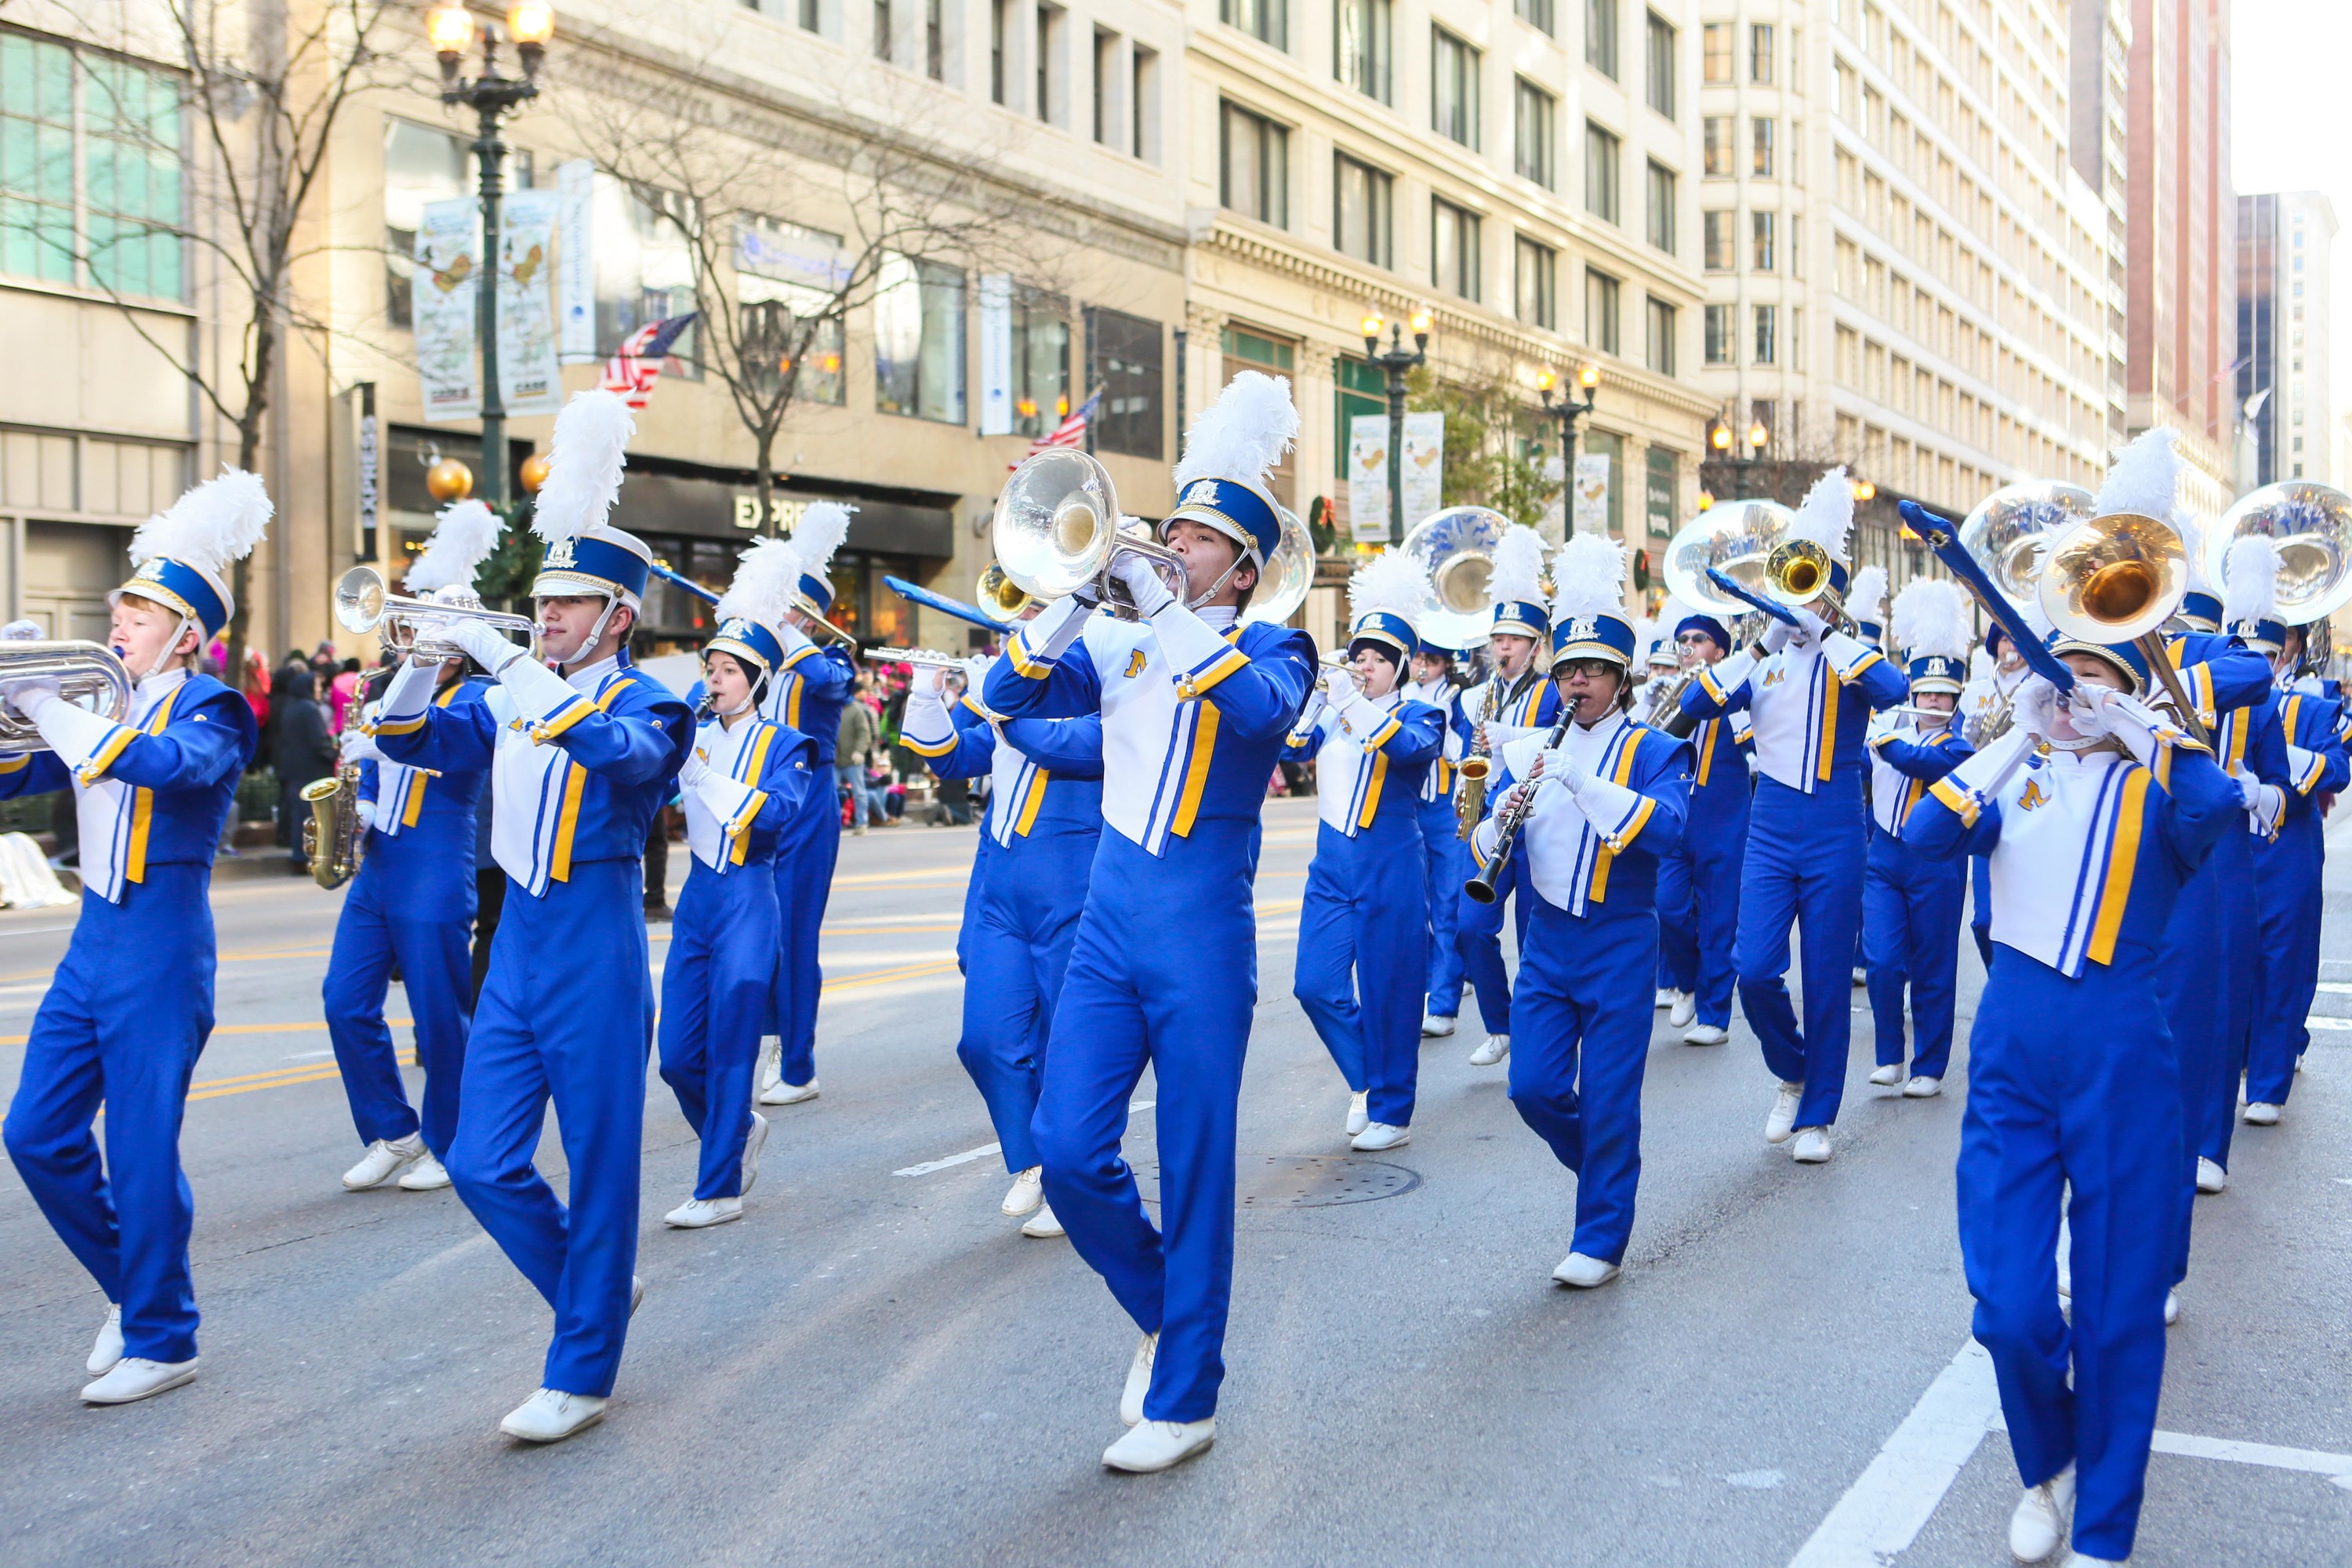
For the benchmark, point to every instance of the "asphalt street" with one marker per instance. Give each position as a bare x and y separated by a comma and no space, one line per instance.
874,1367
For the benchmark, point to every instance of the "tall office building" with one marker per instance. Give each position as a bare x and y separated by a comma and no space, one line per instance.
2285,242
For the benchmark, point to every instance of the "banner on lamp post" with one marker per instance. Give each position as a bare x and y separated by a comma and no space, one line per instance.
1424,465
575,261
996,353
1590,493
443,293
528,379
1368,478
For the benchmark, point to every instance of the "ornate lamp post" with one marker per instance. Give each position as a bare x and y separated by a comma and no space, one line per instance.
1394,361
1568,409
452,29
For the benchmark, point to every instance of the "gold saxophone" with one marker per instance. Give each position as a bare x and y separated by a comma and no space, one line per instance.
330,838
1470,804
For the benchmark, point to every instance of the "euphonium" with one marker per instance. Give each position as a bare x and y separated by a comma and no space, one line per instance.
2117,579
1798,574
1057,530
85,674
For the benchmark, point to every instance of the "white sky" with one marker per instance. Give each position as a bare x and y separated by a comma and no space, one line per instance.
2287,93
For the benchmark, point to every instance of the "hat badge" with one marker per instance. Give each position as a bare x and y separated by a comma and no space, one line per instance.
559,554
1203,492
1584,628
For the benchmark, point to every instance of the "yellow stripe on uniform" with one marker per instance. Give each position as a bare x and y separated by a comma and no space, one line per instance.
2123,859
1372,793
142,801
1959,801
1030,803
1196,775
1830,685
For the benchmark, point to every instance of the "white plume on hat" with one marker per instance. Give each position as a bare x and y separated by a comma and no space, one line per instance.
2144,478
1866,599
1244,434
1589,578
1518,576
465,535
585,459
766,578
1826,515
2250,580
1931,620
1391,580
216,522
1674,613
822,526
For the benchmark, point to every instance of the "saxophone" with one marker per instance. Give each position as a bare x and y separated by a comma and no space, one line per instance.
1470,805
330,838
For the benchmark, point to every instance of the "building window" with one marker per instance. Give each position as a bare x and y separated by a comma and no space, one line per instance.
1759,135
1759,228
1714,132
995,48
1662,64
1127,369
1662,464
1049,51
1106,118
783,311
1601,36
918,339
1760,53
1767,344
1454,92
1041,361
1362,202
1538,14
1715,52
935,40
1255,165
1361,48
1533,135
1267,21
1659,349
420,166
1453,249
1718,333
1600,314
1662,206
112,179
881,29
645,266
1600,171
1143,103
1718,250
811,16
1537,294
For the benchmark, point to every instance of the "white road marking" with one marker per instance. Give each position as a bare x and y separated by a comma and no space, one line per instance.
2336,1467
2317,1022
927,1166
1900,1490
2336,987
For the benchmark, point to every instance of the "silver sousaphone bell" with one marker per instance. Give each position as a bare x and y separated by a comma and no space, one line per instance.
2311,524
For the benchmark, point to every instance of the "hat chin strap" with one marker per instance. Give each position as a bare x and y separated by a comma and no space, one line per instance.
171,647
1240,558
595,633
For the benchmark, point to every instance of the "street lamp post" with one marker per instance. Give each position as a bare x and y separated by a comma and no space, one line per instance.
1568,410
1393,362
1743,468
452,29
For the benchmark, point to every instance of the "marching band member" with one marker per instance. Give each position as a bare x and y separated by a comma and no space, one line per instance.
1987,699
581,755
1513,700
1863,596
1911,902
1809,693
1363,928
807,694
1028,887
1434,679
744,780
2094,812
130,1006
1581,1018
1699,874
1194,705
413,905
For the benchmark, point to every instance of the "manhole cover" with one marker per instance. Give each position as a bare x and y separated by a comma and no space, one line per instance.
1301,1181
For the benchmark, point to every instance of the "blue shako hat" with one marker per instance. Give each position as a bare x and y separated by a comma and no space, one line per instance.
749,641
2126,656
765,588
1229,454
1930,619
1588,612
2201,610
585,554
180,557
1935,672
1516,584
1382,595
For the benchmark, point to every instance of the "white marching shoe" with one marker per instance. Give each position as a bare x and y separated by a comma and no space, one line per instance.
772,1062
135,1378
1042,1225
2211,1177
1705,1035
1139,1380
1584,1273
2038,1527
2171,1308
698,1214
1360,1115
1492,1049
1684,1009
752,1142
107,1349
1665,997
1888,1076
384,1157
1921,1088
1028,1191
551,1416
1151,1447
1813,1146
1379,1135
2261,1115
427,1175
1783,1118
1435,1025
782,1093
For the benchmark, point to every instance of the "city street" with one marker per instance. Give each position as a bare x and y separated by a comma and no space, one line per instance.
874,1366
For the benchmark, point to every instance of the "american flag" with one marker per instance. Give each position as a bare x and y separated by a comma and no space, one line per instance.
1070,432
633,370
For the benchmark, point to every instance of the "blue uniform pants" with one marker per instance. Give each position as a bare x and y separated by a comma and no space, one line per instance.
2287,886
714,1002
1361,931
1980,906
1017,952
805,862
124,1019
1478,937
566,1013
1148,986
1698,912
1804,864
1449,866
2073,1101
1579,1043
436,968
1911,936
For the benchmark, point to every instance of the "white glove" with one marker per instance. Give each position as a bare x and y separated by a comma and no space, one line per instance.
1777,633
1142,582
366,816
21,631
358,746
29,696
2092,709
1340,687
696,769
481,641
2250,788
1810,627
1568,768
2035,705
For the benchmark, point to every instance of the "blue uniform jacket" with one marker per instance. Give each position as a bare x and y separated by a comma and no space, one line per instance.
439,818
1855,679
1059,789
808,694
779,768
2316,761
1600,869
1401,752
1721,785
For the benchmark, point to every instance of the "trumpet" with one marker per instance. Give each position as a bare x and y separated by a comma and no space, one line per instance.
920,658
85,674
409,625
1058,531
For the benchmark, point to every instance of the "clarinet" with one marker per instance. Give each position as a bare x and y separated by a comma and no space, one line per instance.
1481,887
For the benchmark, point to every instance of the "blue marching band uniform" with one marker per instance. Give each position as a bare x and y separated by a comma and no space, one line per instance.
1698,876
1441,835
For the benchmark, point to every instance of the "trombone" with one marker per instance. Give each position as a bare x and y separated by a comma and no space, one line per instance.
409,627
